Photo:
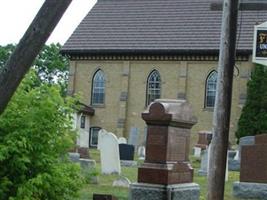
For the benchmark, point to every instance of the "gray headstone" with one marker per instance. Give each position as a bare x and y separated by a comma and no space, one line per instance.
121,182
197,152
87,163
203,171
133,138
233,162
248,140
88,167
141,152
122,140
145,135
74,157
231,154
234,165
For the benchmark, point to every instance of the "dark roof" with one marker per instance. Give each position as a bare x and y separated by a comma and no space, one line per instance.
130,26
84,109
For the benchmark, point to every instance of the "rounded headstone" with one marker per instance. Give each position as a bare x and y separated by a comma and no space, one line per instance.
121,182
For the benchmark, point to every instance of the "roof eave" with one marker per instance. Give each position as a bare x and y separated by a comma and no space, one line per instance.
81,52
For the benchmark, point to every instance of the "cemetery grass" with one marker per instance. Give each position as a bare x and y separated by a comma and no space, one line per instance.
105,182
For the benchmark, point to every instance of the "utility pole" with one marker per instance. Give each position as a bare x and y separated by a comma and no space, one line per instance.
28,48
221,117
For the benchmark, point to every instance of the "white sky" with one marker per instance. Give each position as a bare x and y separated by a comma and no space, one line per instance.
16,16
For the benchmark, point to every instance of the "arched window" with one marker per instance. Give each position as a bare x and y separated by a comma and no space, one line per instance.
211,83
98,88
153,87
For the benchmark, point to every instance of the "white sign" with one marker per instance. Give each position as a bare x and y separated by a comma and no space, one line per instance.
260,44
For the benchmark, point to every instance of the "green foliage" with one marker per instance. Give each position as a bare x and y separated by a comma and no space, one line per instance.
35,134
89,174
5,52
253,119
51,67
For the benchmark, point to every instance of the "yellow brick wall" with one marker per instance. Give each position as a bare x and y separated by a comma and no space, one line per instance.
177,77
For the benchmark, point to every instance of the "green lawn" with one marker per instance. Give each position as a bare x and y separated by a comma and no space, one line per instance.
105,182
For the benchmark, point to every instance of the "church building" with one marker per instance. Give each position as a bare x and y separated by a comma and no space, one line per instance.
127,53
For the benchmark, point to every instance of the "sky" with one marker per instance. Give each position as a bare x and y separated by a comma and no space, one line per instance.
16,16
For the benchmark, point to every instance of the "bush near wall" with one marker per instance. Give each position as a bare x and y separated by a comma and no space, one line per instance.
253,119
35,134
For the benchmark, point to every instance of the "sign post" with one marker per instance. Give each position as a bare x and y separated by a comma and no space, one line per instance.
260,44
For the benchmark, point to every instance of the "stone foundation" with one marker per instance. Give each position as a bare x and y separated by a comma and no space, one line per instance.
246,190
144,191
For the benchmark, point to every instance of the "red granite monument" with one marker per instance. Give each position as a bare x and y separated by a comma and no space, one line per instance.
253,170
167,150
204,139
254,161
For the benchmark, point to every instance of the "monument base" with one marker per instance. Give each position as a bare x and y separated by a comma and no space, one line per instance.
128,163
234,165
247,190
144,191
165,173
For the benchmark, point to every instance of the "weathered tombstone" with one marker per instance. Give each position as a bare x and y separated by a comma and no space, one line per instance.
133,138
121,182
103,197
203,171
205,159
88,166
233,160
166,172
122,140
126,152
231,154
236,155
197,152
253,170
74,157
145,135
141,153
109,153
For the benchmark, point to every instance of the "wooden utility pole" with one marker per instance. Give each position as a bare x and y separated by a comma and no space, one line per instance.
28,48
221,117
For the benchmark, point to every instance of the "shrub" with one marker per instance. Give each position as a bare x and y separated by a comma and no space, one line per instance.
253,119
35,134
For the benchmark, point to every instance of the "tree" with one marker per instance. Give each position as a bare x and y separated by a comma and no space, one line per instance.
5,52
253,119
35,134
50,66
